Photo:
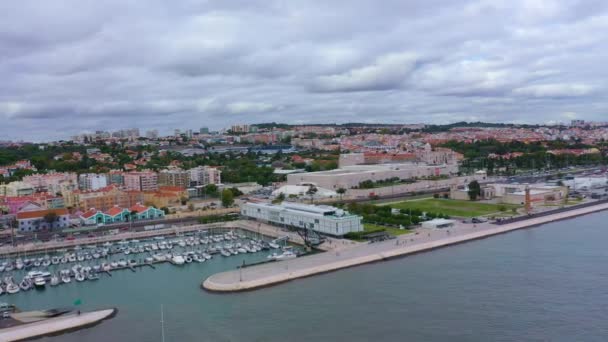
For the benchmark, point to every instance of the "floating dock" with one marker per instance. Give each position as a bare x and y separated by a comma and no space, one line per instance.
274,273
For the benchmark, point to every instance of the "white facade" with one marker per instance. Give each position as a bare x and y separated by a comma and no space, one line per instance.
320,218
92,181
586,183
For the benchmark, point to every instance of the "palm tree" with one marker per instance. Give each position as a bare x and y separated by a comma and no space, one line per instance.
132,216
341,192
312,190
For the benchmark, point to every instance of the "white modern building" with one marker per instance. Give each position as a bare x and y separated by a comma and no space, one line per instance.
586,183
320,218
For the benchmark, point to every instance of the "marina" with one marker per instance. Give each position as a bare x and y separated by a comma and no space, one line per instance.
91,263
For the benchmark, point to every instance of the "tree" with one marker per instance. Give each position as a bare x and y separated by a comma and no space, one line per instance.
211,190
474,190
280,198
51,218
227,198
236,192
341,192
312,190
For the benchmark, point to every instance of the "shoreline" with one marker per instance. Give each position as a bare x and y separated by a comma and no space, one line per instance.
56,326
269,275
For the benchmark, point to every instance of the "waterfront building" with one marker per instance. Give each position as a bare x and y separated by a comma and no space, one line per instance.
34,220
320,218
118,214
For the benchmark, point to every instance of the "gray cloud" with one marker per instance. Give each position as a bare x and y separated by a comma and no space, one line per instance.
69,66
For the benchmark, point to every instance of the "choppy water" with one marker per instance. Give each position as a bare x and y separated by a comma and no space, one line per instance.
543,284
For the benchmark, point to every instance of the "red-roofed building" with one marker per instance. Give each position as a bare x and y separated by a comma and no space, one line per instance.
49,219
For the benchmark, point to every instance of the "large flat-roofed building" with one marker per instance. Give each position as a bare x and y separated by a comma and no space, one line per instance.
351,176
320,218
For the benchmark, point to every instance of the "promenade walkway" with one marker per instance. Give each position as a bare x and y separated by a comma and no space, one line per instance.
424,240
54,325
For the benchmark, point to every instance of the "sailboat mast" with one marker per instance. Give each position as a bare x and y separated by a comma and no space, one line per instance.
162,324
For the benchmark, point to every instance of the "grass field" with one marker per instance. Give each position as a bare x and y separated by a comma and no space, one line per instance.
453,207
369,227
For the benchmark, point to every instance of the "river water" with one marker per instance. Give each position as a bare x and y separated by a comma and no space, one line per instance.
548,283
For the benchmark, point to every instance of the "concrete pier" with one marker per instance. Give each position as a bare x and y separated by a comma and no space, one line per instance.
54,326
343,257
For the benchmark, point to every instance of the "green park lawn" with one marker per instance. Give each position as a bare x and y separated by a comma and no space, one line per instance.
453,207
370,227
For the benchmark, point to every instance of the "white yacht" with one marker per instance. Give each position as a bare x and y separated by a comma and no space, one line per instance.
79,277
178,260
12,288
39,282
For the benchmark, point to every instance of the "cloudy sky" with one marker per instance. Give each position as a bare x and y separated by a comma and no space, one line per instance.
73,66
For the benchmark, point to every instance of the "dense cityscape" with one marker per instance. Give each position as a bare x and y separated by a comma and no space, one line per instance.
111,173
